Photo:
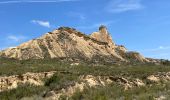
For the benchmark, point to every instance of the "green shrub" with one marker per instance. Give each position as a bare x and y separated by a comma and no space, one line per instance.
25,90
116,92
59,80
67,75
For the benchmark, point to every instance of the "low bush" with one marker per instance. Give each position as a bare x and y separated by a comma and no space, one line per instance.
22,91
59,80
66,75
116,92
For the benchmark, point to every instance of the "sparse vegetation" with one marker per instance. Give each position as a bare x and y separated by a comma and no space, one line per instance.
12,66
118,93
59,81
67,75
25,90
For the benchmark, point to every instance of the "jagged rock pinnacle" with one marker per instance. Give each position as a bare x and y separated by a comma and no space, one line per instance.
103,35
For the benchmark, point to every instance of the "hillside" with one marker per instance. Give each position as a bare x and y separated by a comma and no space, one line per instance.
51,79
66,64
68,43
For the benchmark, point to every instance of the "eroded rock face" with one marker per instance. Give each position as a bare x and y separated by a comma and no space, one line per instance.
153,78
103,35
85,81
69,43
135,56
161,76
93,81
11,82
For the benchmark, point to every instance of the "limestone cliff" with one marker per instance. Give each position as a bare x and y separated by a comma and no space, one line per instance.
69,43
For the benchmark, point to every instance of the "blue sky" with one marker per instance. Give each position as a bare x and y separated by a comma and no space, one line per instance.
140,25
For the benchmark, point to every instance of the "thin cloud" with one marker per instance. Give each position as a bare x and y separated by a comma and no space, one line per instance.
165,55
36,1
16,38
161,52
160,48
119,6
42,23
2,48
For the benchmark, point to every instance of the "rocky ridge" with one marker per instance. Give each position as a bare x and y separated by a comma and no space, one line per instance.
94,81
85,81
68,43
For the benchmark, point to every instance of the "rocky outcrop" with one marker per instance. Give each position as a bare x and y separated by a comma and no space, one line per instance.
84,81
153,78
103,36
11,82
161,76
126,83
92,81
71,44
135,56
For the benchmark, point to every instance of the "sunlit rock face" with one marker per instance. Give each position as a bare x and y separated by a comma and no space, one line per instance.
12,82
69,43
103,35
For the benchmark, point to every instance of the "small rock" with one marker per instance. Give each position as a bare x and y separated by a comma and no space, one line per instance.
139,82
74,64
152,78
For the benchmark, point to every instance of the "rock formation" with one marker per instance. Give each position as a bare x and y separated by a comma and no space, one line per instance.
71,44
11,82
103,36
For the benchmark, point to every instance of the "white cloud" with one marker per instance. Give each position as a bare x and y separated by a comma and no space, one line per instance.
118,6
164,47
161,52
16,38
160,48
164,55
36,1
42,23
2,48
96,25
